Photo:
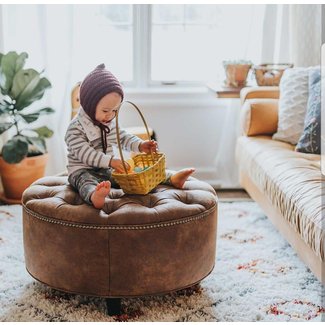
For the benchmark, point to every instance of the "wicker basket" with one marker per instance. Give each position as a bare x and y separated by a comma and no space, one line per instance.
154,164
270,74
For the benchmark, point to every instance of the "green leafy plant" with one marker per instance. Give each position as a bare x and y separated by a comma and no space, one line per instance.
19,88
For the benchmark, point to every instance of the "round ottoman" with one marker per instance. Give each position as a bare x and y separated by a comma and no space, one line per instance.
136,245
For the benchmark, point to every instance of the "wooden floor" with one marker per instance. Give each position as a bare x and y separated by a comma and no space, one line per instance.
232,195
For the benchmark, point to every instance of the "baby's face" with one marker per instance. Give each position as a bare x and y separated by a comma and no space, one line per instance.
107,107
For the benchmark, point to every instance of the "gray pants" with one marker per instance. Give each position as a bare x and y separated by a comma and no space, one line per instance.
85,180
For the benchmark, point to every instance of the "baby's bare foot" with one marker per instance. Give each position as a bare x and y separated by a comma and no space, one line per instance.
179,178
101,191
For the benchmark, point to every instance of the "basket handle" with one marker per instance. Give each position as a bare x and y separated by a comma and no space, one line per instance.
118,132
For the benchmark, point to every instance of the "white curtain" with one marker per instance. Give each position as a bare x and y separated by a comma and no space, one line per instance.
48,43
67,41
225,161
292,34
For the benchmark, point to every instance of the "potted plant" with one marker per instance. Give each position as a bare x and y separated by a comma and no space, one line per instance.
236,72
24,155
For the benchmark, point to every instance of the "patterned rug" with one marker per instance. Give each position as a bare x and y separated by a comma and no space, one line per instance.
257,277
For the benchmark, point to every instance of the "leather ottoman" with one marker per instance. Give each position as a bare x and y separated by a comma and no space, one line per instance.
136,245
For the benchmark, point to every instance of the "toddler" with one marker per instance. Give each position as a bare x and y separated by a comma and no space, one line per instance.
91,135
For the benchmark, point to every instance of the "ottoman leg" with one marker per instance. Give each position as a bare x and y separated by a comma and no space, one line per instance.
113,306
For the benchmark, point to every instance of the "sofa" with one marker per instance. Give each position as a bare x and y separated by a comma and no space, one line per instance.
286,184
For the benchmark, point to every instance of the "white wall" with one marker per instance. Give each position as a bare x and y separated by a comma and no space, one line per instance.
194,128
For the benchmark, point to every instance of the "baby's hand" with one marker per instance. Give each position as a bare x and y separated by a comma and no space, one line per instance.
117,164
148,146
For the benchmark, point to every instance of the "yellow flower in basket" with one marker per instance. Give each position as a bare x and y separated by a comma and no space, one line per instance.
152,167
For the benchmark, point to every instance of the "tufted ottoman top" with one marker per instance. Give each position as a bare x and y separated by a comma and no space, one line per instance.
54,198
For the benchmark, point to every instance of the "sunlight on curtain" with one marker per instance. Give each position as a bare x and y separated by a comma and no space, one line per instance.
305,24
292,34
44,39
68,41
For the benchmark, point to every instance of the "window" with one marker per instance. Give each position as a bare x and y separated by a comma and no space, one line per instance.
182,41
189,42
157,45
143,45
104,33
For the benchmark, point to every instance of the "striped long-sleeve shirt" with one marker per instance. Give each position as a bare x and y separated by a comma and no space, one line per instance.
83,139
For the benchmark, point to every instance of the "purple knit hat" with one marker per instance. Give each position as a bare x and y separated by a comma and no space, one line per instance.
95,86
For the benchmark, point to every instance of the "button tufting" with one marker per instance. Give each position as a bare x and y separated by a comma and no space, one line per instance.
54,197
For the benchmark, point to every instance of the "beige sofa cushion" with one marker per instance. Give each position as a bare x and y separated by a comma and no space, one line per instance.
292,182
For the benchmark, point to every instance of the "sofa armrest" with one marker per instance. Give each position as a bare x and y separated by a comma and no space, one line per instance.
259,92
259,116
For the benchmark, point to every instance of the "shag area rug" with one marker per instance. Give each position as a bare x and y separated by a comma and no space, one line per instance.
257,277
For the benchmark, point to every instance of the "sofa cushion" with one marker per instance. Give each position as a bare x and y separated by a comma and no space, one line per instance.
309,141
292,182
259,116
292,104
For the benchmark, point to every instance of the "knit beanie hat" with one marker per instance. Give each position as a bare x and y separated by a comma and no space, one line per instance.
97,84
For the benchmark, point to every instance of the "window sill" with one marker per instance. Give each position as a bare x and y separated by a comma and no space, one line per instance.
176,97
200,97
166,90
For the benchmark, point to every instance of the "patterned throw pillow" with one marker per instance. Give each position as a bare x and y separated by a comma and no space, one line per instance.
292,104
309,141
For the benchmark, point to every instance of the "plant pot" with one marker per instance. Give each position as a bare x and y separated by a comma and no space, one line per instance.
236,74
17,177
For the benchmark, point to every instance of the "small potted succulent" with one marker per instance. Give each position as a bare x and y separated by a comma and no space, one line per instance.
236,72
24,154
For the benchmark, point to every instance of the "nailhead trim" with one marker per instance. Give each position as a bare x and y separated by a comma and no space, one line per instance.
160,225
